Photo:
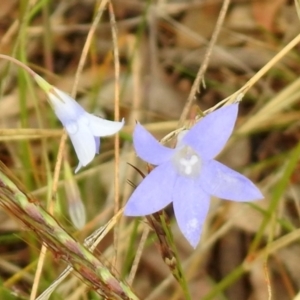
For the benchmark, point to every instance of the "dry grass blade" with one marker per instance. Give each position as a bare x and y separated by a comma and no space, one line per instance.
90,242
297,4
117,117
200,74
17,203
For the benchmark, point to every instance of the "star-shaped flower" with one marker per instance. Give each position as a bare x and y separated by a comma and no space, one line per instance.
188,174
83,128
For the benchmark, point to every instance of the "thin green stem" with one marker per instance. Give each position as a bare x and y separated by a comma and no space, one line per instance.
226,282
18,63
277,193
180,276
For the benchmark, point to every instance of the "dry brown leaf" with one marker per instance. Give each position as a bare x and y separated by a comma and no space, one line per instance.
237,154
237,58
240,18
200,20
247,218
265,12
8,223
7,7
289,256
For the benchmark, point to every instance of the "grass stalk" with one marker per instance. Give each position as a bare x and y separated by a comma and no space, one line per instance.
93,272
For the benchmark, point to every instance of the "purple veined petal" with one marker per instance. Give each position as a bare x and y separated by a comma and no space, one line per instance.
223,182
82,140
191,205
209,136
153,193
102,127
97,143
148,148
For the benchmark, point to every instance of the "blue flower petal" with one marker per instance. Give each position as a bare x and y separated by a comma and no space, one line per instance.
82,140
191,205
97,143
148,148
102,127
66,108
209,136
82,127
153,193
223,182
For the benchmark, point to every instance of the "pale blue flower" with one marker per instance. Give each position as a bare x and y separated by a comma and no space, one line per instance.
188,174
83,128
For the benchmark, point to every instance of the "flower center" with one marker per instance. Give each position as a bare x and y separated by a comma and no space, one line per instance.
187,162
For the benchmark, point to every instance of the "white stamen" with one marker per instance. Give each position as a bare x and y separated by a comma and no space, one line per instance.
187,162
188,170
194,159
184,162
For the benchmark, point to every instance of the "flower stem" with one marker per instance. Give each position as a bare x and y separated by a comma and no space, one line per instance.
174,266
227,281
278,191
18,63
